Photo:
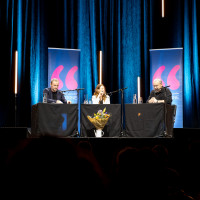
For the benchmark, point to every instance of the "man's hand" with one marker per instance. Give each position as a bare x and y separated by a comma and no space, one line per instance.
58,101
153,100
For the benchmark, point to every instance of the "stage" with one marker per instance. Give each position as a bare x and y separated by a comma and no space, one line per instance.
180,142
184,134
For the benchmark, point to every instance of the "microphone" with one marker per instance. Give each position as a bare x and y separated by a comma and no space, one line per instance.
124,88
167,86
67,90
116,91
73,90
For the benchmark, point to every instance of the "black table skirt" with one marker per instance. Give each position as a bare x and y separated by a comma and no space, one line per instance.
58,120
149,120
113,126
145,120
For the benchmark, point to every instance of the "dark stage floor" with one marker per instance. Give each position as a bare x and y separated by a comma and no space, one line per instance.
178,134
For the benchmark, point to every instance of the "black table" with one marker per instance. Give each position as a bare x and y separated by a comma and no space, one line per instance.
113,126
59,120
149,120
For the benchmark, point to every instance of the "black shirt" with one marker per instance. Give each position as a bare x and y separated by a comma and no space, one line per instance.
54,95
164,94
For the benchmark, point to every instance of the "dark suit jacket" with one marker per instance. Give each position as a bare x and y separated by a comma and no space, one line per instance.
60,96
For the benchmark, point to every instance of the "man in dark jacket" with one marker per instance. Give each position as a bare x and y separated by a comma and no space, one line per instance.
53,94
160,94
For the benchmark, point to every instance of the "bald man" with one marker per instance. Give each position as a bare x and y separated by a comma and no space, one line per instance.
160,94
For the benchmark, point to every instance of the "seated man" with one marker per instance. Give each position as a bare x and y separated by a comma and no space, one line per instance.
53,94
160,94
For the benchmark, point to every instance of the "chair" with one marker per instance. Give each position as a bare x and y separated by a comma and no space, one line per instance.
175,107
170,119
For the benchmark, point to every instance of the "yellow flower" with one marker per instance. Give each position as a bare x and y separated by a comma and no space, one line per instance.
99,119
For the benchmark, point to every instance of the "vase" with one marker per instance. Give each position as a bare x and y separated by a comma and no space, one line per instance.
98,133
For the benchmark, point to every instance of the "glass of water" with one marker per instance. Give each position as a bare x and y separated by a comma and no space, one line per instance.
134,99
140,100
85,99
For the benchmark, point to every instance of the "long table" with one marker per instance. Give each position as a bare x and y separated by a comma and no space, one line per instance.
141,120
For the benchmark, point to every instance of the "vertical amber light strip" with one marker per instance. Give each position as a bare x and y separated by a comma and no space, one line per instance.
138,88
100,67
16,70
163,8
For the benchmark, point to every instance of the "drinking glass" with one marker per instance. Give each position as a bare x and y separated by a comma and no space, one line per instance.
90,101
85,99
140,100
134,99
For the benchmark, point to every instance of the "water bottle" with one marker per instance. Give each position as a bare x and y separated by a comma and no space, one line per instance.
45,98
134,99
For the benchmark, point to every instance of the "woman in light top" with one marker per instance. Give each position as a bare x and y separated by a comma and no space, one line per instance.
100,96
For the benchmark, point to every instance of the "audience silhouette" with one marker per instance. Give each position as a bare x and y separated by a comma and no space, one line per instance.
52,167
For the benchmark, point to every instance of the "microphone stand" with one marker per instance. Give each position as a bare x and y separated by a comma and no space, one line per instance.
78,90
122,109
165,115
15,110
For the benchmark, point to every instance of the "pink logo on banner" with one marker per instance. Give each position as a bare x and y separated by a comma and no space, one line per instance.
158,73
70,81
56,74
171,79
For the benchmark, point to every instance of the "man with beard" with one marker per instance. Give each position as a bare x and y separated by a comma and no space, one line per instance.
160,94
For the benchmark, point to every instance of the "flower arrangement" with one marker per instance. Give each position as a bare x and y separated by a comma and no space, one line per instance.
99,119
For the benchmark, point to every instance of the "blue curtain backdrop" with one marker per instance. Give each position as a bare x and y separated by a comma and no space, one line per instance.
124,30
191,64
